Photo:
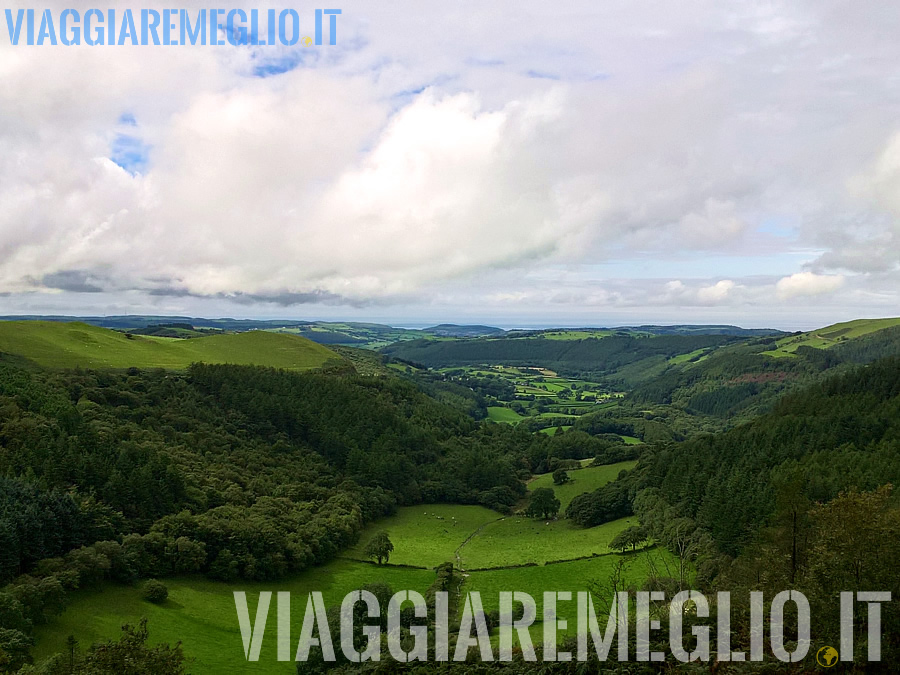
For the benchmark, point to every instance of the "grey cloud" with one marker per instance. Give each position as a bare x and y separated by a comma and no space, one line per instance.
76,281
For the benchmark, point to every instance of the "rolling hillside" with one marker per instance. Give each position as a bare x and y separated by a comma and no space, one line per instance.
70,345
830,336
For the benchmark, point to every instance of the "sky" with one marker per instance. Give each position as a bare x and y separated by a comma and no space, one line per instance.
520,163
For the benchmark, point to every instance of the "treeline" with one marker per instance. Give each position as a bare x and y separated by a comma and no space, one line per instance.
587,358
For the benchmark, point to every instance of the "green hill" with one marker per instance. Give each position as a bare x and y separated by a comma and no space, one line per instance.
824,338
70,345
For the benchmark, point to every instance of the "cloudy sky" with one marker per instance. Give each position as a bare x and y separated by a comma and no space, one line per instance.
516,163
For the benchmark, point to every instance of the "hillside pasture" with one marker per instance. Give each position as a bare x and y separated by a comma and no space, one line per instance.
581,481
201,614
823,338
70,345
426,535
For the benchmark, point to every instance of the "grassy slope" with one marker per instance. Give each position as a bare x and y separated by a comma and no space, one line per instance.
517,540
581,481
202,615
70,345
431,534
570,576
426,535
499,414
823,338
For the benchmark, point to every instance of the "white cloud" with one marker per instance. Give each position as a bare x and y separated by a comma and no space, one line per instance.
807,283
716,293
468,148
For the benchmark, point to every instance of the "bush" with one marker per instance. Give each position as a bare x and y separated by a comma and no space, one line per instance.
155,591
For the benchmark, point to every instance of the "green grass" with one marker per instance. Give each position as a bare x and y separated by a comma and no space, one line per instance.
70,345
631,440
581,481
570,576
201,614
426,535
823,338
429,535
516,540
681,358
551,431
501,414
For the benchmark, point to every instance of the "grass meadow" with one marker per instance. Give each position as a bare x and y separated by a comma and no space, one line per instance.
501,414
427,535
581,481
202,615
70,345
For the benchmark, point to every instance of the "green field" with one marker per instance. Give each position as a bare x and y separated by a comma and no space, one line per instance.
823,338
428,535
569,576
71,345
516,540
500,414
581,481
201,614
682,358
551,431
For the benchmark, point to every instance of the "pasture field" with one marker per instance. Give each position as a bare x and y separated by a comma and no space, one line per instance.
516,540
682,358
70,345
551,431
426,535
823,338
581,481
571,576
505,415
201,614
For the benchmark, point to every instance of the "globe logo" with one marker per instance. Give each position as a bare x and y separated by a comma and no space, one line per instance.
827,656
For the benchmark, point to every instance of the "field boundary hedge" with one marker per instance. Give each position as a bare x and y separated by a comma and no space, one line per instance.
387,564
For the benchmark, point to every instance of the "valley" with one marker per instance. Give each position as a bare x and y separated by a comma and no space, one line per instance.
568,460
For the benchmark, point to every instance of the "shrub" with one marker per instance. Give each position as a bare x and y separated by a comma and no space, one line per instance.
155,591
